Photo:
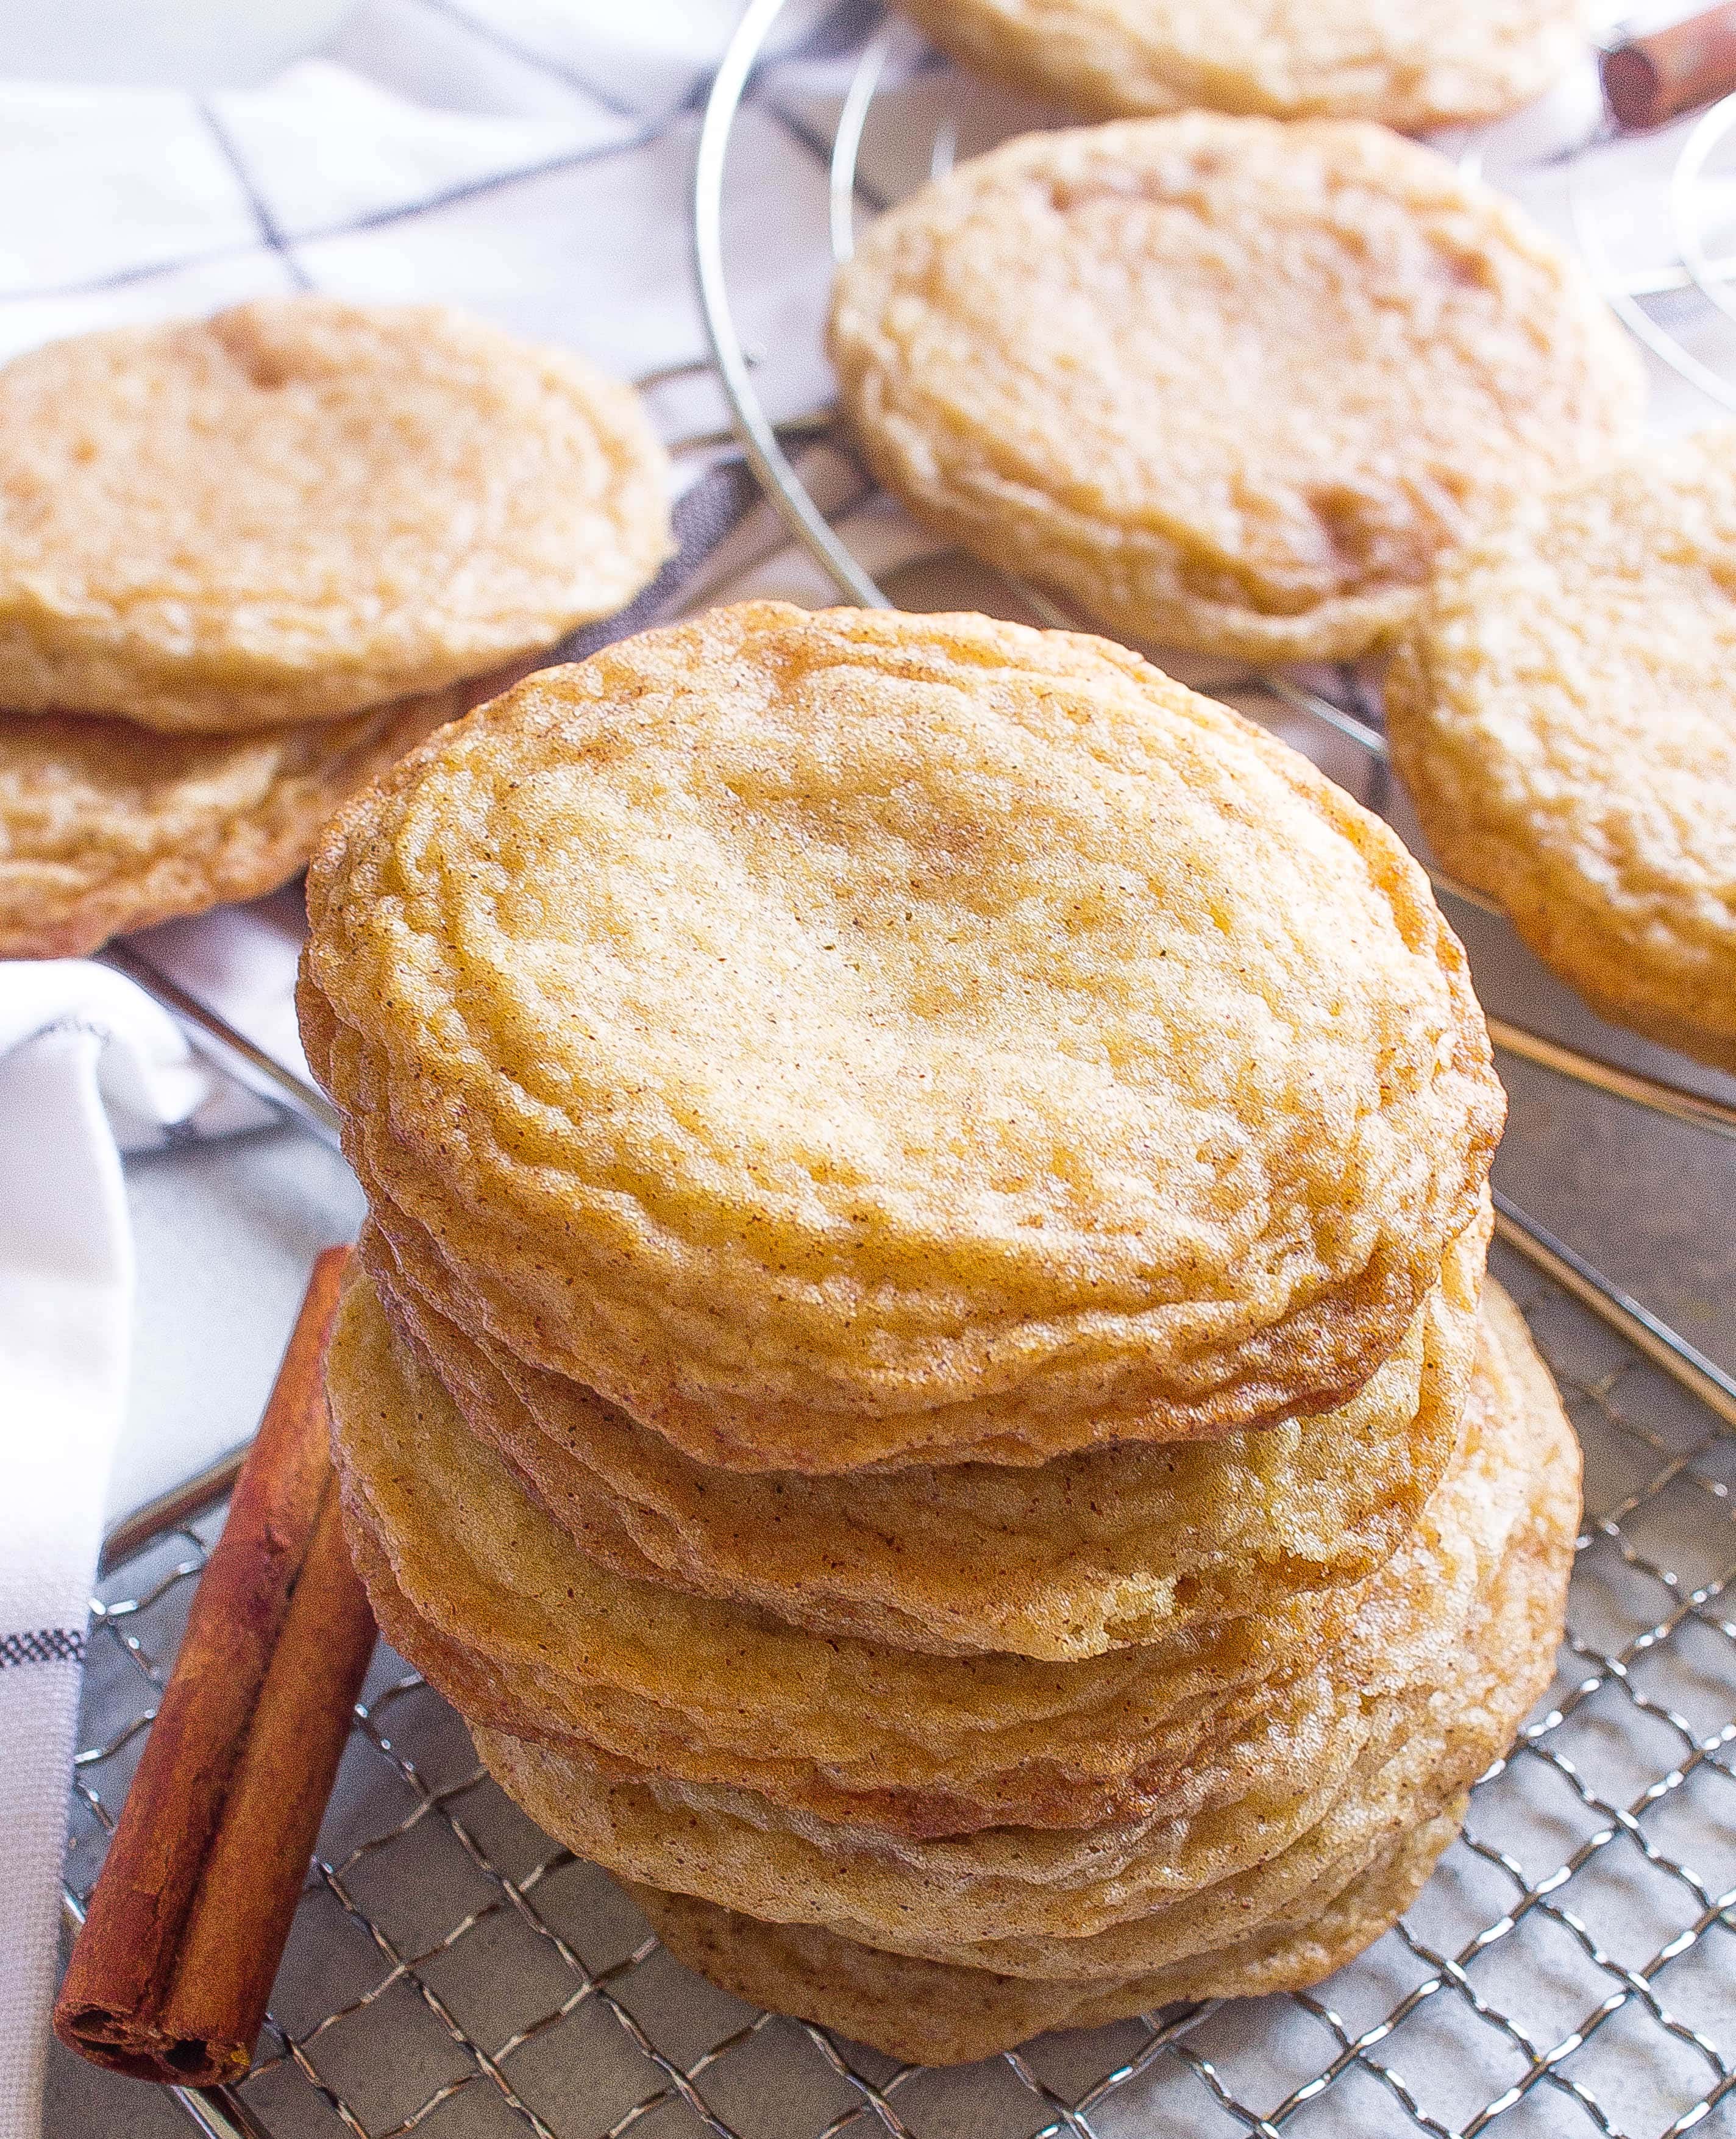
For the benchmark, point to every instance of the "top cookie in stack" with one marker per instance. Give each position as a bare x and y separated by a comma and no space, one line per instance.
861,1039
245,562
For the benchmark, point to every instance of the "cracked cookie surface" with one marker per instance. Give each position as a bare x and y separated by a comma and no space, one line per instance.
859,1038
302,509
1227,384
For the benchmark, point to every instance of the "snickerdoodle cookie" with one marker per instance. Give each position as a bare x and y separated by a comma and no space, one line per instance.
106,827
1564,714
1243,1731
1427,63
1062,1560
1226,384
302,508
1270,1866
861,1038
937,2013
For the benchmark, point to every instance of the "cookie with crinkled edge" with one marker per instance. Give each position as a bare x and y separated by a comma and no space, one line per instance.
1564,716
302,508
1228,384
105,827
859,1038
1279,1914
934,2013
724,1718
1062,1560
1429,63
524,1632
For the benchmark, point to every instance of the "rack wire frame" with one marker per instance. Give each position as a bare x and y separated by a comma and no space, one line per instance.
1565,1970
430,1892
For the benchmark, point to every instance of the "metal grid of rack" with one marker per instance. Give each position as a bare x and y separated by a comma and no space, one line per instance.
1569,1968
1566,1970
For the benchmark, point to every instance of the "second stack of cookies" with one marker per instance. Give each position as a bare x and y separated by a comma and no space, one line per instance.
247,562
918,1376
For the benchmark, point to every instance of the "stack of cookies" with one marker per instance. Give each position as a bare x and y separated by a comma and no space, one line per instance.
916,1371
246,562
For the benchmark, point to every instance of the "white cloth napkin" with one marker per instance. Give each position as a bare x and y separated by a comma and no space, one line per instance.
86,1065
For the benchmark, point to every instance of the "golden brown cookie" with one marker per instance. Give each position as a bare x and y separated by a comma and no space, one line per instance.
861,1038
1227,384
1424,64
688,1707
933,2013
1021,1930
1062,1560
302,508
106,827
1564,715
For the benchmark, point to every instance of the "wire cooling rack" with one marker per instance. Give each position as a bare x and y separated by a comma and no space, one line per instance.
1569,1968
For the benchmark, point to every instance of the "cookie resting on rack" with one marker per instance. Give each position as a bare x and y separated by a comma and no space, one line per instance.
301,509
1426,64
1564,716
851,1038
1225,384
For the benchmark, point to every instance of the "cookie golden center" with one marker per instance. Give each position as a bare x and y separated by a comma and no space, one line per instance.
1204,372
916,999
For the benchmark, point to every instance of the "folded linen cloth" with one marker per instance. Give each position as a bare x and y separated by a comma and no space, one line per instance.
88,1067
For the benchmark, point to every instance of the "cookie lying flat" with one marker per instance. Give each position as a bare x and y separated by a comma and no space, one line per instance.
1446,1647
1229,385
932,2012
951,1950
1238,1726
302,508
1061,1560
106,827
1564,714
861,1038
524,1632
1428,63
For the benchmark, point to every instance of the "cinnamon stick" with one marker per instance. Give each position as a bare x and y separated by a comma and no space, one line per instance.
169,1978
1648,80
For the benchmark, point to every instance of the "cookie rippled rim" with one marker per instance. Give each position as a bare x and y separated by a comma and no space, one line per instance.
858,1038
105,827
1563,715
1061,1560
1225,384
931,1951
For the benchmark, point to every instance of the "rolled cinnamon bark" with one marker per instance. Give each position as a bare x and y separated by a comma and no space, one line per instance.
1650,79
169,1978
